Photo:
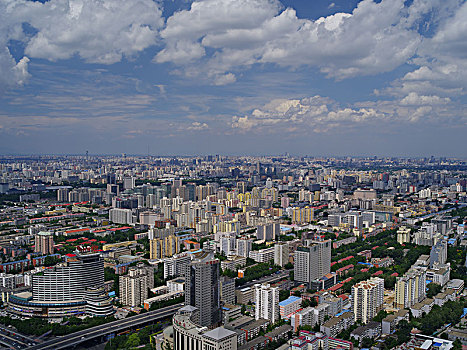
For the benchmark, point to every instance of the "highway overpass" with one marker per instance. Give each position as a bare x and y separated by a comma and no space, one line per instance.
114,327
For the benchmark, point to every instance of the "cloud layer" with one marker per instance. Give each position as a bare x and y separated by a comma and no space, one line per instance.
217,38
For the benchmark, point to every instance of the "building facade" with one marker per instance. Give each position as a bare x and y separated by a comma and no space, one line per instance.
266,302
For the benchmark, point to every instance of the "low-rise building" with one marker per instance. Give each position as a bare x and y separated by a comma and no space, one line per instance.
335,325
424,307
186,331
371,330
389,323
289,306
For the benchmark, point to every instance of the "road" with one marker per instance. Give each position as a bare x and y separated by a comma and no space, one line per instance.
13,339
461,205
71,340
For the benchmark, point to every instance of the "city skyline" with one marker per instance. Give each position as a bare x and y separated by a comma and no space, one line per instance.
233,77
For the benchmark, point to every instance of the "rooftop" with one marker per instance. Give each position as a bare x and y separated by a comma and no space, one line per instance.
289,300
219,333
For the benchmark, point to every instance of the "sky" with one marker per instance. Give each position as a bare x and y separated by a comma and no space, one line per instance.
234,77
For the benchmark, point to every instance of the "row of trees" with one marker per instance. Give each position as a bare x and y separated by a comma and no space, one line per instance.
35,326
257,271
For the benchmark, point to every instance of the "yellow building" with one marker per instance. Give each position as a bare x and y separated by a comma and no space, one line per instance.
160,248
302,215
110,246
410,289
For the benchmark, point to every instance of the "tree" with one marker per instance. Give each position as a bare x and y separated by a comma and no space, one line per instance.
367,342
379,317
283,294
433,289
457,345
133,341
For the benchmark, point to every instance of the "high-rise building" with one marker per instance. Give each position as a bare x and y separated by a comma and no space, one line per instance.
121,216
244,247
302,215
266,302
227,290
62,194
128,183
166,247
439,253
134,286
227,245
281,253
410,288
403,235
268,232
312,262
44,243
202,288
367,299
176,265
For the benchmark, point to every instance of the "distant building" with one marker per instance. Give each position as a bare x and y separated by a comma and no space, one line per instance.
268,232
227,290
244,247
403,235
281,254
44,243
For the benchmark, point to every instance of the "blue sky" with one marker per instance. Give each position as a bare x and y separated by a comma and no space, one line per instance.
186,77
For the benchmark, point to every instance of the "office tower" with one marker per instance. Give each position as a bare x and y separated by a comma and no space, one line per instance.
128,183
410,288
266,302
244,247
268,232
367,299
68,281
202,288
62,194
227,290
312,262
439,253
166,247
134,286
281,253
64,289
44,243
